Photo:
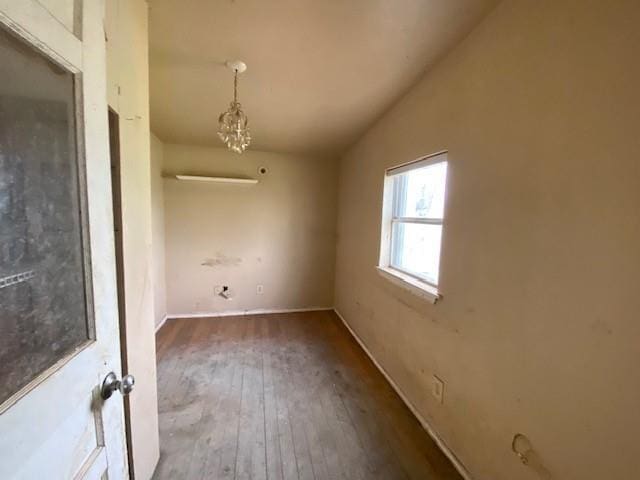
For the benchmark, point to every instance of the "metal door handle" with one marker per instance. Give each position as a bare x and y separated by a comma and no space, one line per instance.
111,384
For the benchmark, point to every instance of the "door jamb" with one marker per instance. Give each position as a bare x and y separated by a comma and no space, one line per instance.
116,196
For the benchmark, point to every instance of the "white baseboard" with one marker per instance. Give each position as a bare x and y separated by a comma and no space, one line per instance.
430,430
162,322
235,313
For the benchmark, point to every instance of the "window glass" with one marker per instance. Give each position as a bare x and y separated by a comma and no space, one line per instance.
416,249
420,192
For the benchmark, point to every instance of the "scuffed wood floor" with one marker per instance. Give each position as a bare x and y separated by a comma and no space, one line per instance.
282,396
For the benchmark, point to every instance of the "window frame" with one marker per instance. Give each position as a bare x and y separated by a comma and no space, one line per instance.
417,284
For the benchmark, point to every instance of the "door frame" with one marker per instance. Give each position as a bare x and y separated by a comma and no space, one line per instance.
116,197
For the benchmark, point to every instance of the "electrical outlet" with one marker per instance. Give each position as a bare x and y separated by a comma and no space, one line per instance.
259,289
437,389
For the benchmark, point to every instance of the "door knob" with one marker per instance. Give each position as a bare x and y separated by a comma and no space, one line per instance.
111,384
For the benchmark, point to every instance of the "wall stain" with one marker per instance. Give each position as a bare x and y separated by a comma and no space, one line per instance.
221,260
601,327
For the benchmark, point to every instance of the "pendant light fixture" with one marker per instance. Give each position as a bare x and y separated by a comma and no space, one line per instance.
233,127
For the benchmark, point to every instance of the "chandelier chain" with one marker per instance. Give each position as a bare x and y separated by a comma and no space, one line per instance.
235,86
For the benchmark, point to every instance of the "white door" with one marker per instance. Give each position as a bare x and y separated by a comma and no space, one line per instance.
58,311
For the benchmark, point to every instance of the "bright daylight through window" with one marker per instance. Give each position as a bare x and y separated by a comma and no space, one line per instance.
413,218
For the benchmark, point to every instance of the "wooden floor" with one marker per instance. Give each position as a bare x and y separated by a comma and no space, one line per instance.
282,396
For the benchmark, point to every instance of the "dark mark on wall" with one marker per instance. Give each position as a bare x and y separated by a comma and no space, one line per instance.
221,260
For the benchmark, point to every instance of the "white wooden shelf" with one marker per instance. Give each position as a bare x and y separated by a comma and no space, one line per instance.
197,178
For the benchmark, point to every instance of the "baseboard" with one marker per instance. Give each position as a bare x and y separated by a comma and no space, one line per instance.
430,430
235,313
162,322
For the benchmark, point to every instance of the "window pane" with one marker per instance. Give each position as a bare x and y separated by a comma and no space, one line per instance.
420,192
416,249
43,308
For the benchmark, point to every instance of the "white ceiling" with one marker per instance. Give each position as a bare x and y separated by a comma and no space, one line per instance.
320,72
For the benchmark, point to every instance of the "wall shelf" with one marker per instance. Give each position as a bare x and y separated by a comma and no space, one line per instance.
198,178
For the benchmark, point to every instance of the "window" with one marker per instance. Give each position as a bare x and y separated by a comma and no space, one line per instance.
412,220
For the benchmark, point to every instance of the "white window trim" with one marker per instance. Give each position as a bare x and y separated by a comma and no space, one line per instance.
411,283
421,289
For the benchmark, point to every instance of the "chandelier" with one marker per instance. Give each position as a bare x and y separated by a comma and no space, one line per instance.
233,127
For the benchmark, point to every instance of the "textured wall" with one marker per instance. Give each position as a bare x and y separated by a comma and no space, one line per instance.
279,233
538,330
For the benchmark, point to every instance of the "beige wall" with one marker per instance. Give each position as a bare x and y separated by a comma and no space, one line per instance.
128,93
279,233
157,231
538,331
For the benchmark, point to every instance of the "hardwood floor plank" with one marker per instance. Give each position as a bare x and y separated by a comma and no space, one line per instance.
358,399
309,454
209,381
282,397
230,418
220,399
250,462
272,434
290,467
382,464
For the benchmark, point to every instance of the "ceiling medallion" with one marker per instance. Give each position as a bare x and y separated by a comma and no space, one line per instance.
233,127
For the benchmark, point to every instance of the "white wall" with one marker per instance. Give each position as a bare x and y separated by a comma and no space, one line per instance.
279,233
539,329
157,231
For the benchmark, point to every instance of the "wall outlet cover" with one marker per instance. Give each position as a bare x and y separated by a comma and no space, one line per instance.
259,289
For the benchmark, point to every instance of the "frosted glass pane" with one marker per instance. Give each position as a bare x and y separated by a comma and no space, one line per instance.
43,307
416,249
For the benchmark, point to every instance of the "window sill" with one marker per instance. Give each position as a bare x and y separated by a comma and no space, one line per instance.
411,284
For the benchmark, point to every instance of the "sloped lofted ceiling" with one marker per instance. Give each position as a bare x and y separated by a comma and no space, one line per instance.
320,72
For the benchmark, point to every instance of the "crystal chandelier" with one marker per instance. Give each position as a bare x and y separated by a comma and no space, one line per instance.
233,127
